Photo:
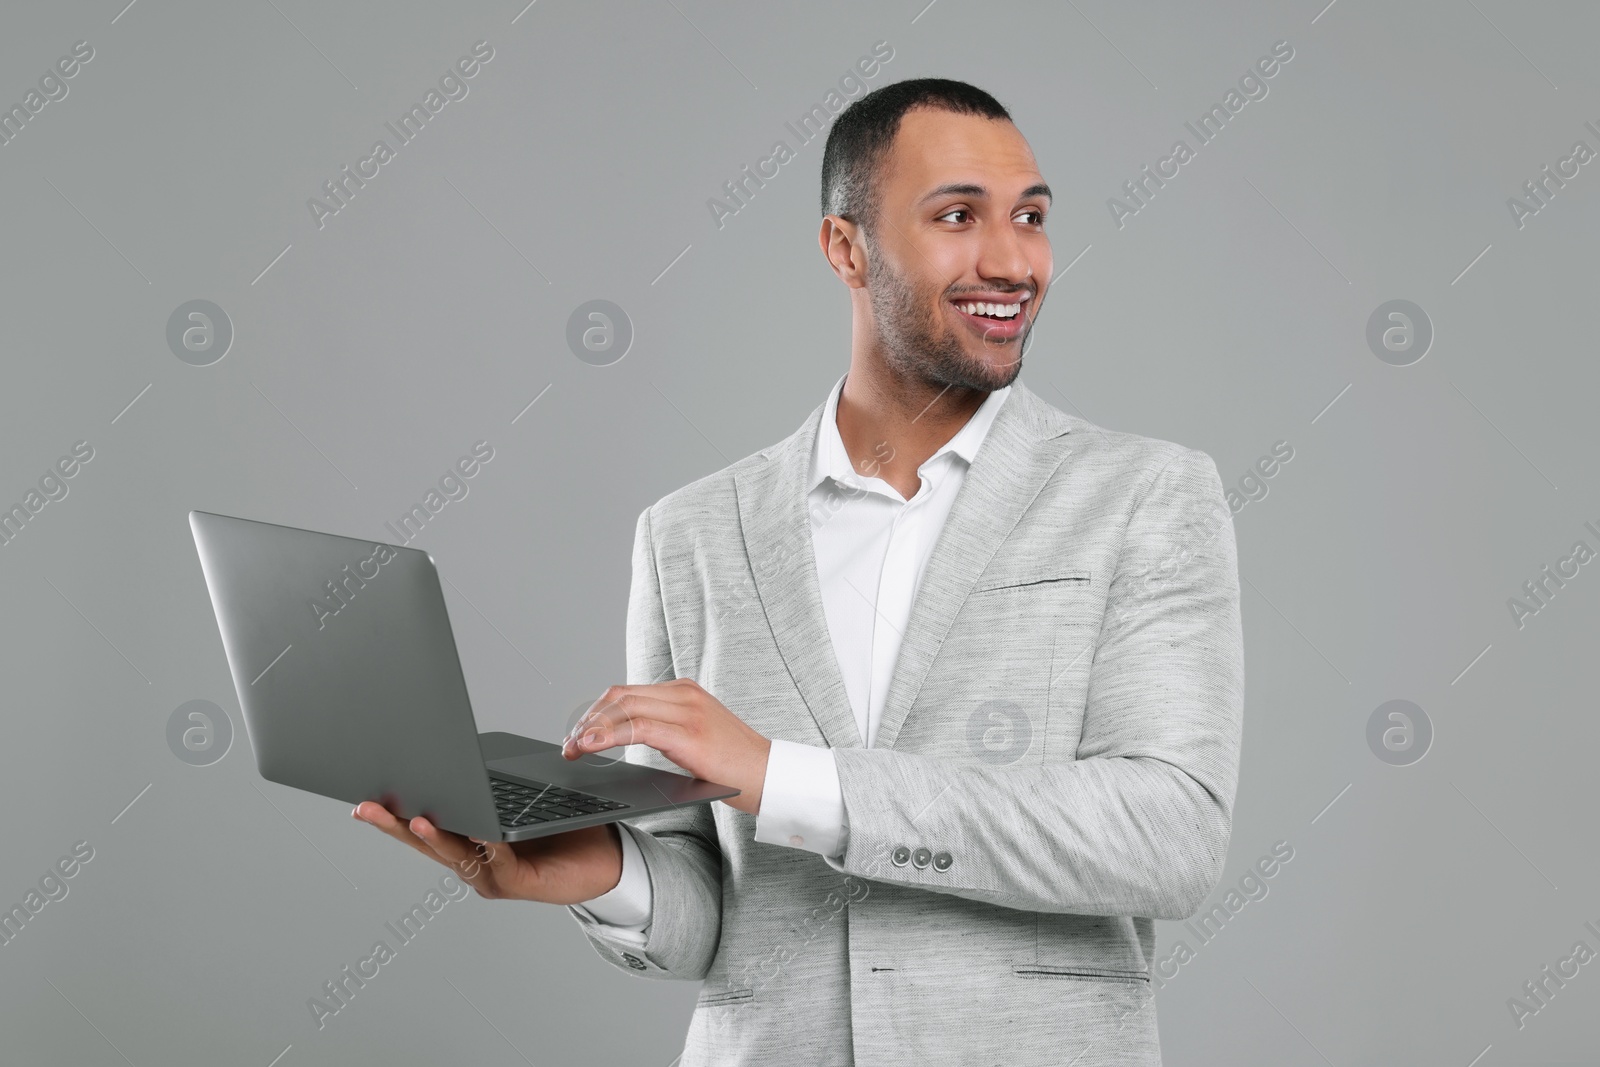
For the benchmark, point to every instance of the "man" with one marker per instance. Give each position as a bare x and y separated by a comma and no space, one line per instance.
974,663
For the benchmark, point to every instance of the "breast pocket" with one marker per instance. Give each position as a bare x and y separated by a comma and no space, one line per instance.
1000,660
1047,602
1063,612
1072,576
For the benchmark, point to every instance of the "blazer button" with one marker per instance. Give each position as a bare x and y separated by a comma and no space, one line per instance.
920,858
900,855
633,961
942,861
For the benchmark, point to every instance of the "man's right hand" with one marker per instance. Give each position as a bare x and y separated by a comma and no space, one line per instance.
565,868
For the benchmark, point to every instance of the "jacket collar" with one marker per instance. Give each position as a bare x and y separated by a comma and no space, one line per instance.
1024,445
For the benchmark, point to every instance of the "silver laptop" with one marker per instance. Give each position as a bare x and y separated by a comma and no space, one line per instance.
346,669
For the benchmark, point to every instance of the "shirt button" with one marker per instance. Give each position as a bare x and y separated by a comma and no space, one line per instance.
900,856
920,858
942,861
796,840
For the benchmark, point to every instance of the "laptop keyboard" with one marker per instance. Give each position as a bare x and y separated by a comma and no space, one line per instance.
526,805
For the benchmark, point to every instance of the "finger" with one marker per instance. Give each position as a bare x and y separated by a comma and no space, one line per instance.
668,686
475,871
375,814
450,848
615,703
440,846
595,730
663,736
494,860
611,708
646,704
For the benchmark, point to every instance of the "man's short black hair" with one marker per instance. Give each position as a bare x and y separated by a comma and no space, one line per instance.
859,140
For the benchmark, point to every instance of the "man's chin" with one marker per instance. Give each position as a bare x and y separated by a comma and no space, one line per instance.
995,369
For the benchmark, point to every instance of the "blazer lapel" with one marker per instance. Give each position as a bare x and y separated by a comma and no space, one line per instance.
777,537
1024,446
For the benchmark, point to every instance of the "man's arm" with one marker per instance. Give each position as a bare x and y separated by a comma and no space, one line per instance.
801,803
679,848
1139,823
801,807
624,910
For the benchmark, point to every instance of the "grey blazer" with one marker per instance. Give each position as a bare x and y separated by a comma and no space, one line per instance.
1055,767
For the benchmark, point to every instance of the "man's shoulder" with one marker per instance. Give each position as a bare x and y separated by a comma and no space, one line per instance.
1133,453
1120,472
1135,459
711,496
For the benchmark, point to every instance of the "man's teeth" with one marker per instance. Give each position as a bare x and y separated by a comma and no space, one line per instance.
994,311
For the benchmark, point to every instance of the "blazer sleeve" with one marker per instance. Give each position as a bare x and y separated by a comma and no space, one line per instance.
680,849
1138,823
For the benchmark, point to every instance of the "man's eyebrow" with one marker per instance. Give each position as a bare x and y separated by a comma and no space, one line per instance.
970,189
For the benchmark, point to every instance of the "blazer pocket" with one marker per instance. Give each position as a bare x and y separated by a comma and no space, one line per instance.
730,996
1093,974
1064,578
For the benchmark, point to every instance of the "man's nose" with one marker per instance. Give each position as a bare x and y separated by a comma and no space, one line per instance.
1003,257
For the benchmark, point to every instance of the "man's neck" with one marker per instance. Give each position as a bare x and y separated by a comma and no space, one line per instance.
890,426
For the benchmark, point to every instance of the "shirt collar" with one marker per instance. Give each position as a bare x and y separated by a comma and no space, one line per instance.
829,458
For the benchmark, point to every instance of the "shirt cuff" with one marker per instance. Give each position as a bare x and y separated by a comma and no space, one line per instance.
626,905
802,804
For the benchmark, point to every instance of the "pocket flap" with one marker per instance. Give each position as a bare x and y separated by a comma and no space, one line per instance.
1038,576
1050,970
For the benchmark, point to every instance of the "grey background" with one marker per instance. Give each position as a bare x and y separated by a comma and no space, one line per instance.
1228,314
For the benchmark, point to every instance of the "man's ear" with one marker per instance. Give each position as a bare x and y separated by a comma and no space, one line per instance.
843,243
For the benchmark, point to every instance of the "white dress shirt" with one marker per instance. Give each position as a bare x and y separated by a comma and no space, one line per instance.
871,545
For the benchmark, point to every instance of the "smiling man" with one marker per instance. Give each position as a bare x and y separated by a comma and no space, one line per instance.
974,663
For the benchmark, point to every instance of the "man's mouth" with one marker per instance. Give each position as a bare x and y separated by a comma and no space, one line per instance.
989,311
994,320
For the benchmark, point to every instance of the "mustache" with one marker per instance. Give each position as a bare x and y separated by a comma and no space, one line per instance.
1025,291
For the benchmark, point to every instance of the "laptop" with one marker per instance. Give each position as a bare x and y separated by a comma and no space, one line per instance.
346,669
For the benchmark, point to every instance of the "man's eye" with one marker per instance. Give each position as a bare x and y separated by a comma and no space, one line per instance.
954,211
1038,217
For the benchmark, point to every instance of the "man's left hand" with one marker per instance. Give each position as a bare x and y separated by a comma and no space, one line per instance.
684,723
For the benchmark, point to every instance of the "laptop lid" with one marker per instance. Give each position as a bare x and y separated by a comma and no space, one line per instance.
346,669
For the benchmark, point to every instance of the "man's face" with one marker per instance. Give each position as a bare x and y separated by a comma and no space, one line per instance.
961,208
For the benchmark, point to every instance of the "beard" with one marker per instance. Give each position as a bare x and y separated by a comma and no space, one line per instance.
920,344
